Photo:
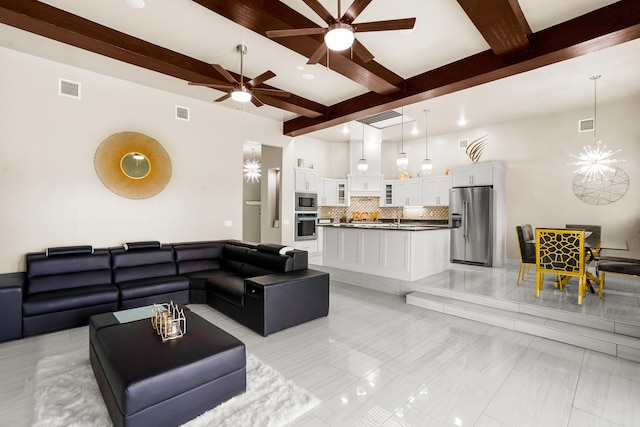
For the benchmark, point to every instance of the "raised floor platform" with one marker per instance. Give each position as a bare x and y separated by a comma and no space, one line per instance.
610,325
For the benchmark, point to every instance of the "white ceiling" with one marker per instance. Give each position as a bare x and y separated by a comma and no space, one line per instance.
443,34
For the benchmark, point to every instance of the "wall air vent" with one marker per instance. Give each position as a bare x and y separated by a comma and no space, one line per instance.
182,113
462,144
586,125
386,119
68,88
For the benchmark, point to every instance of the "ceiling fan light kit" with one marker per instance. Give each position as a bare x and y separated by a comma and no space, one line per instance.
339,37
241,94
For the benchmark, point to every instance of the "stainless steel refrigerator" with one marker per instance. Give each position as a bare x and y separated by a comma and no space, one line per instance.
471,222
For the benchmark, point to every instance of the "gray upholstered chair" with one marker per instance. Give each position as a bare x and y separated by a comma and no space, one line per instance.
527,249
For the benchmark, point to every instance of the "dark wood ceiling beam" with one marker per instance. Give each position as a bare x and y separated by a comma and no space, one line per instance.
261,16
602,28
56,24
501,23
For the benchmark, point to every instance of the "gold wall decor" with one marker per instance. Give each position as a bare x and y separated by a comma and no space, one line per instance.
133,165
474,150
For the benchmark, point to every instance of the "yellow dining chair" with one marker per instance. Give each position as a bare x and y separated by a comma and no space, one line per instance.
527,249
561,252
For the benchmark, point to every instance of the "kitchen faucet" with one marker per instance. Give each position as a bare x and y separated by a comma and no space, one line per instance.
399,213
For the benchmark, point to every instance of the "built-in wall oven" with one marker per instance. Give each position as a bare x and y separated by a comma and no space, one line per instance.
306,225
306,202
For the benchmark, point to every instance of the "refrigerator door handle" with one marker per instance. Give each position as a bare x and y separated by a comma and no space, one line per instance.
466,218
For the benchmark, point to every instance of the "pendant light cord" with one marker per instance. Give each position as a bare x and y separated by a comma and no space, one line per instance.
595,108
402,130
426,134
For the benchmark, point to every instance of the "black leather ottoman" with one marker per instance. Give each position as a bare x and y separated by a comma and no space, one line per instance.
145,382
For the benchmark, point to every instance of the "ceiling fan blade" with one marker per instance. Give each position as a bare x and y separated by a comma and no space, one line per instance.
321,11
318,54
212,85
361,52
224,73
295,32
255,101
222,98
261,78
272,92
393,24
354,10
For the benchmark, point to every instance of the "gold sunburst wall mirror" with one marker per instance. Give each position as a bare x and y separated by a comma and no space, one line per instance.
133,165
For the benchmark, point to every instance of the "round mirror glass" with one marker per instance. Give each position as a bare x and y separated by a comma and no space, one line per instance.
135,165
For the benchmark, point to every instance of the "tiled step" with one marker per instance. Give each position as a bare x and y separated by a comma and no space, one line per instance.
509,317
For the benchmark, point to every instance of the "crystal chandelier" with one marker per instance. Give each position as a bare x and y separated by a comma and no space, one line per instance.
595,160
426,165
252,169
402,161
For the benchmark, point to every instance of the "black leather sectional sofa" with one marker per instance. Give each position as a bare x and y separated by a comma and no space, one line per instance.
265,287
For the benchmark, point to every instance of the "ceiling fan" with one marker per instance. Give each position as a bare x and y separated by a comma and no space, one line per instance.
340,34
243,91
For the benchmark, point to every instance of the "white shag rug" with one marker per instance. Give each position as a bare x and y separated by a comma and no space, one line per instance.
66,394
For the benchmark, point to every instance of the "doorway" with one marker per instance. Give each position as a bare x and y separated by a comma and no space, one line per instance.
261,196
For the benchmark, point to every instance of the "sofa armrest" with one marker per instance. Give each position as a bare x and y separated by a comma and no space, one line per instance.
11,286
277,301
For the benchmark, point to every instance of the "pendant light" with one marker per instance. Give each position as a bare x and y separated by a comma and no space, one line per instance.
402,161
426,165
595,160
363,166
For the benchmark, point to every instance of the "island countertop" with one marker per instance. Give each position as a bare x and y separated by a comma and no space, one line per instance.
388,226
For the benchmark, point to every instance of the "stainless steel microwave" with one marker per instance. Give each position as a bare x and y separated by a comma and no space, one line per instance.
306,202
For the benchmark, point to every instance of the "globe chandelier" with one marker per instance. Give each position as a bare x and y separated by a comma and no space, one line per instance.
595,161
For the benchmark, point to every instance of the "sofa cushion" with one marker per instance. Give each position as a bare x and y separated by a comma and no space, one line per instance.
152,286
69,250
141,264
199,279
45,274
192,257
270,261
69,299
228,288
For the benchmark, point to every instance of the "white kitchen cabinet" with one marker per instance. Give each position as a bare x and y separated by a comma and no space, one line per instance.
332,192
397,254
306,180
407,192
435,191
306,245
472,175
365,185
389,191
343,199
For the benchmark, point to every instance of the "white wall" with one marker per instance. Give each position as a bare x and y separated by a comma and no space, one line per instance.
49,191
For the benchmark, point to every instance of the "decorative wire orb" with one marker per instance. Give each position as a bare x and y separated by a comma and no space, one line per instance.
602,189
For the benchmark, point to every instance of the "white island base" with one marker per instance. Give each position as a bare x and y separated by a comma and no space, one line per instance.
396,254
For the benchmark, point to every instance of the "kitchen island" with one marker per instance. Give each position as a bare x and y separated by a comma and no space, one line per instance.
397,251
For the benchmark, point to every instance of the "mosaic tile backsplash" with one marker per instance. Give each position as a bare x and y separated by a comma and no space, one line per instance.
371,206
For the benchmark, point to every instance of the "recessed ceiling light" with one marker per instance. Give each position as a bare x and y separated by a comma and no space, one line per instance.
308,76
300,67
138,4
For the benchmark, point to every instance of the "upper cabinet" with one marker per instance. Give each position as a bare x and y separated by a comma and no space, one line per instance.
435,191
306,180
407,192
476,174
365,185
332,192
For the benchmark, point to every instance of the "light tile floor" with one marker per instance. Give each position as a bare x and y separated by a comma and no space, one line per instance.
375,361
